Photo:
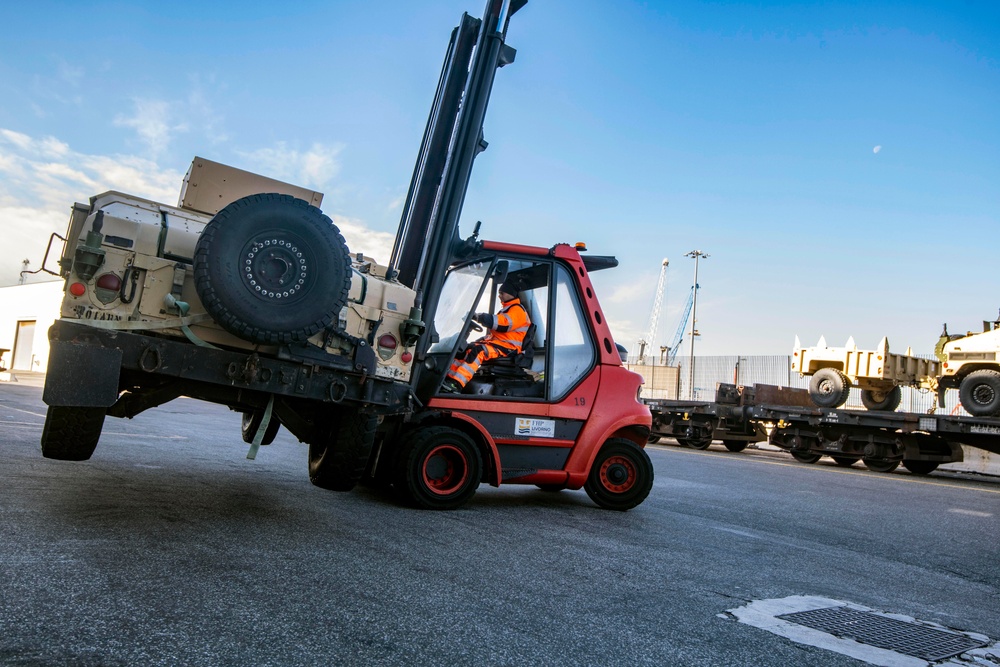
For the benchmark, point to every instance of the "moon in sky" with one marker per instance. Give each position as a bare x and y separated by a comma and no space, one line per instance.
876,149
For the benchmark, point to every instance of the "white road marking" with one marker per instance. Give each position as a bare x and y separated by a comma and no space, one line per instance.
970,512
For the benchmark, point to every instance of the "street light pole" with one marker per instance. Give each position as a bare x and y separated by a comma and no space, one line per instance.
697,254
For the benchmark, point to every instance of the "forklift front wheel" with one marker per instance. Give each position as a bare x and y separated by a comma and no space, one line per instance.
439,468
621,477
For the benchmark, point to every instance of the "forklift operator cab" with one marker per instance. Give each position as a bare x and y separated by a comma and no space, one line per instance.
558,349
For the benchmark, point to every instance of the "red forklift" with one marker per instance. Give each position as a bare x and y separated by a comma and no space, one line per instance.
562,414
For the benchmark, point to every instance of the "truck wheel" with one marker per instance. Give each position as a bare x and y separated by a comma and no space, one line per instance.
920,467
805,457
251,422
882,400
338,461
736,445
980,393
439,468
272,269
71,434
829,388
880,465
621,477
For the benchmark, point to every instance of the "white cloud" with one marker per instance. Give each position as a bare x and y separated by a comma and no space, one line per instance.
152,122
876,149
313,168
377,245
41,178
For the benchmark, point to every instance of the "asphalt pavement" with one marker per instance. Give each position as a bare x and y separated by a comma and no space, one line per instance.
169,547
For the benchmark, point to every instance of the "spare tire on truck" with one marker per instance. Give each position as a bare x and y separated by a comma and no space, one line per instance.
272,269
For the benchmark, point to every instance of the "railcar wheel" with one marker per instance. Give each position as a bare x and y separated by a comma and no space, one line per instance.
621,477
272,269
71,433
736,445
653,439
439,468
920,467
805,457
845,461
880,465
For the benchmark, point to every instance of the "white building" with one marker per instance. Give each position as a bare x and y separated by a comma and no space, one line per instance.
26,313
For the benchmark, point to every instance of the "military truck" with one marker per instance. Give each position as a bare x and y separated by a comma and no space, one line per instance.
967,362
245,294
879,373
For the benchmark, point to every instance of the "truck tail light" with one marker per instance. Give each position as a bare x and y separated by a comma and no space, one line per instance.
387,344
109,281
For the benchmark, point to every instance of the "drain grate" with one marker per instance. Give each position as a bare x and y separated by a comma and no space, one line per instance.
910,639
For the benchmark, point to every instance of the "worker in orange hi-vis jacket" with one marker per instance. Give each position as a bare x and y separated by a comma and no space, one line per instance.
505,338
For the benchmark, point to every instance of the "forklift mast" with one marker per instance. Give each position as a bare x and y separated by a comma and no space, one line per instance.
428,239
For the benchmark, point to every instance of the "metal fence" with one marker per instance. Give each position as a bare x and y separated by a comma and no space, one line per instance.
750,370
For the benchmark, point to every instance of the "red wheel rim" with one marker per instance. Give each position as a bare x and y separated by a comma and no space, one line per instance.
445,470
618,474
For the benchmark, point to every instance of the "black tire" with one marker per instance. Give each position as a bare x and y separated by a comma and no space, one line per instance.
980,393
653,439
920,467
880,465
70,433
829,388
882,400
805,457
699,442
736,445
272,269
621,477
438,468
845,461
251,422
338,462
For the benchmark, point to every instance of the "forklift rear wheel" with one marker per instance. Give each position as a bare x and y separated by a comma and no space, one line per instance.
272,269
337,460
438,468
882,400
805,457
829,388
877,465
71,433
920,467
251,422
621,477
736,445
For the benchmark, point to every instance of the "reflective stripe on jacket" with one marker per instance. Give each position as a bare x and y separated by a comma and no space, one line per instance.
507,328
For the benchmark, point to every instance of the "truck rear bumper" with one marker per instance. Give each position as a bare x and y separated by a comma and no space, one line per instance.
91,367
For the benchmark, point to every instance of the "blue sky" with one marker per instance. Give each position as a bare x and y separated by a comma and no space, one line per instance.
646,129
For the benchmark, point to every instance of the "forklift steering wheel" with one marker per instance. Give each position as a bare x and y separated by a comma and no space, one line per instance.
475,326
